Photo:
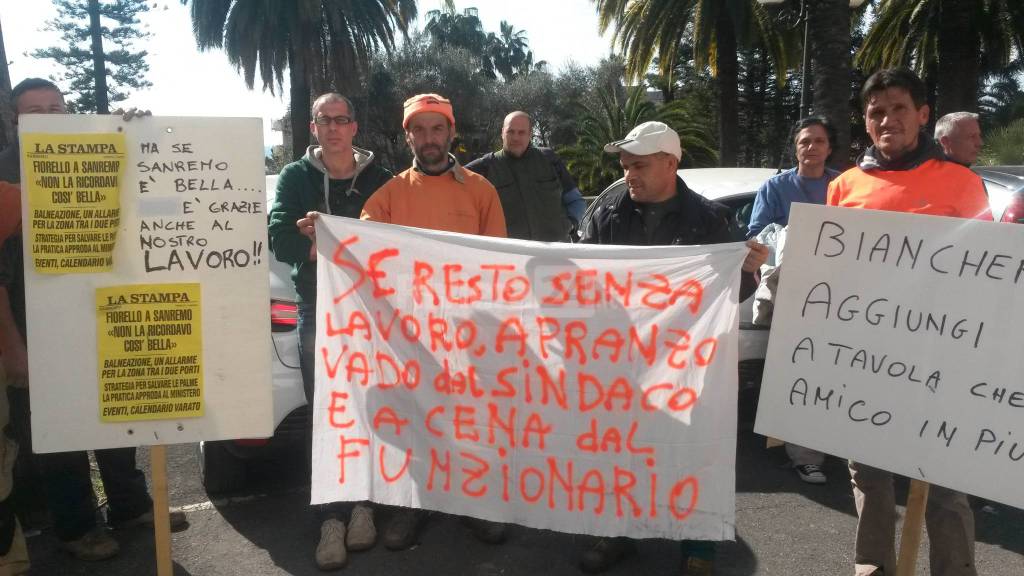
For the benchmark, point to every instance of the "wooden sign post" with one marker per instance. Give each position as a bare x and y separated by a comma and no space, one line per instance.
910,538
161,516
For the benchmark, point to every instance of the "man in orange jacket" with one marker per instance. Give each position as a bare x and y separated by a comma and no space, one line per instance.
905,171
436,192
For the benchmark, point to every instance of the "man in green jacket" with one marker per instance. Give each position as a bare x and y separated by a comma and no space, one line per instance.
334,178
538,195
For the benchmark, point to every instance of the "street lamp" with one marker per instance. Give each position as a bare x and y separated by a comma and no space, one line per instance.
805,89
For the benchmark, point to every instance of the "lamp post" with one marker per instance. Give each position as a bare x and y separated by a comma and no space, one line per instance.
805,88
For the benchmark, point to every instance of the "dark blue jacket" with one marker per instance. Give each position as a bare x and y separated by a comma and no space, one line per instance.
617,219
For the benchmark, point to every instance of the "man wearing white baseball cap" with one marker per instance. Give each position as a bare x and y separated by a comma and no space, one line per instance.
648,138
655,209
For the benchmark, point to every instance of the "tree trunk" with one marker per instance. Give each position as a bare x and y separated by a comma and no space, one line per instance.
99,66
728,79
959,49
300,102
931,75
7,134
829,33
749,73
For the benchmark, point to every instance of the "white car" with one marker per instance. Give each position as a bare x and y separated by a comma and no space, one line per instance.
222,464
1005,188
736,189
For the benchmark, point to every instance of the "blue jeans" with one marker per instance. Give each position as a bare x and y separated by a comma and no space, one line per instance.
307,365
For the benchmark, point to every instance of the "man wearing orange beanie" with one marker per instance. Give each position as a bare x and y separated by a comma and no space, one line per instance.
436,193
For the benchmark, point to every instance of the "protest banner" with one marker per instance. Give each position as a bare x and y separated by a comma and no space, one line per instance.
586,389
895,343
146,280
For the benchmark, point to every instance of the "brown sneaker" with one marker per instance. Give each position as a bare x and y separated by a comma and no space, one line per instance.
605,553
362,534
698,567
97,544
330,552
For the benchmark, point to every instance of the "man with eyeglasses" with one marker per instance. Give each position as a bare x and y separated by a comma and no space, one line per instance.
335,178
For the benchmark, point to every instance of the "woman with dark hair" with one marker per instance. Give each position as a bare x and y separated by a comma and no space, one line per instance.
812,140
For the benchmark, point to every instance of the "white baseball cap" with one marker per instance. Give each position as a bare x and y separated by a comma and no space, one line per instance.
648,138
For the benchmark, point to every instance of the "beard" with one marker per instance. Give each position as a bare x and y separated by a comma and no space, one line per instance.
432,154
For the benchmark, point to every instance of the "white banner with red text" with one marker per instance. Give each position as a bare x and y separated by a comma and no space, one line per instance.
584,389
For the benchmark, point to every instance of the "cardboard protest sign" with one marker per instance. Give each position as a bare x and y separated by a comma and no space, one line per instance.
895,342
583,389
164,341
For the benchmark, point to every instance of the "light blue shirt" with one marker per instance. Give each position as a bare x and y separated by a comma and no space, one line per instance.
771,206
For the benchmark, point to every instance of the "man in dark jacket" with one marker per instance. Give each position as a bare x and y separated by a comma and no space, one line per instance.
538,195
66,476
657,208
335,178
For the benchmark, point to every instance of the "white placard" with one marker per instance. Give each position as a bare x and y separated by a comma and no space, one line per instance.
583,389
896,342
192,211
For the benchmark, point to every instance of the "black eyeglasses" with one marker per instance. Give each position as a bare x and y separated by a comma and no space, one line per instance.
339,120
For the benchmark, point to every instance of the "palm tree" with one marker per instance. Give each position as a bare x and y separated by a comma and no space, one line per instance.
447,26
1004,146
648,28
1002,103
955,43
828,39
611,120
324,45
509,51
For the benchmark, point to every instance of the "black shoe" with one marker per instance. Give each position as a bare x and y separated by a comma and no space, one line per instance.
605,553
486,531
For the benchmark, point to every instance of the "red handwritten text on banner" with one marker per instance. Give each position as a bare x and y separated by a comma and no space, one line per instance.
576,388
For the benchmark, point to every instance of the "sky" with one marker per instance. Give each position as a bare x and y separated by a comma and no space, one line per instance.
189,83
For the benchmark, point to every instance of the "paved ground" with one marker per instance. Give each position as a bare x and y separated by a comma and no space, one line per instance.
785,528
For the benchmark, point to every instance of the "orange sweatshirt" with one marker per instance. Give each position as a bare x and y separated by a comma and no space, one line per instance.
935,187
455,201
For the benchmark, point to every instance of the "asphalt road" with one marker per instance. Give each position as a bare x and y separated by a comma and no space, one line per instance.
784,528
